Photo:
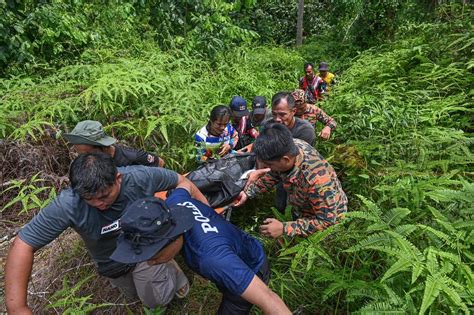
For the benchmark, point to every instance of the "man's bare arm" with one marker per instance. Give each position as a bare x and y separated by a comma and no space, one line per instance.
17,273
195,193
269,302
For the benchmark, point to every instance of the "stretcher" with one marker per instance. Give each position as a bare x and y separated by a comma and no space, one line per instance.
222,180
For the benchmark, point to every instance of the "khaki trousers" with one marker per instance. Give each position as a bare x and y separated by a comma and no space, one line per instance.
154,285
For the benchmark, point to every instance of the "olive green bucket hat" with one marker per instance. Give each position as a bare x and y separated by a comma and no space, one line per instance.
89,132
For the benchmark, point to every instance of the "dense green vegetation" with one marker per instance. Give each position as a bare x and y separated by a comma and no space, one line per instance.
151,72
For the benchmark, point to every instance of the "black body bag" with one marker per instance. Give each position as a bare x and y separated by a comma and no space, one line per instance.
219,180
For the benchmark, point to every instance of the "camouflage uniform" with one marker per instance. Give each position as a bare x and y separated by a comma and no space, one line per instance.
313,190
313,113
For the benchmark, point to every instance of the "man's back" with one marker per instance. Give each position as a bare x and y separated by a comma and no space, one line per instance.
216,249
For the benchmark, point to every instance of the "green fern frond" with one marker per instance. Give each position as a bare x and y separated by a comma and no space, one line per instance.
394,216
385,308
406,229
393,297
447,195
433,287
363,215
452,294
377,239
432,264
440,235
406,246
399,266
371,206
451,257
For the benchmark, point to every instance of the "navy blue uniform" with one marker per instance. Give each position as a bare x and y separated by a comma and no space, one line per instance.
220,252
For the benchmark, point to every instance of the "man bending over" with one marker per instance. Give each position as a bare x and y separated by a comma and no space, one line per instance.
155,232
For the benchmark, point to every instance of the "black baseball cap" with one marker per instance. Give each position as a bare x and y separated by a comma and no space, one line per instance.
239,106
148,225
323,66
259,105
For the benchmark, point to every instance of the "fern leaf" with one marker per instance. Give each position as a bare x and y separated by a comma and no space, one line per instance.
452,294
395,216
362,215
406,246
394,298
405,229
453,258
380,308
442,236
370,241
399,266
431,292
371,206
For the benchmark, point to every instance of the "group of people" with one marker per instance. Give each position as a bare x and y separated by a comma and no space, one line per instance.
133,236
232,128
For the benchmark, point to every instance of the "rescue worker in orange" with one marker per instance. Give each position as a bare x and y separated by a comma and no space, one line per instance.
310,181
313,114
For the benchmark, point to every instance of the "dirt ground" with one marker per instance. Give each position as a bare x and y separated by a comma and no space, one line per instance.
62,264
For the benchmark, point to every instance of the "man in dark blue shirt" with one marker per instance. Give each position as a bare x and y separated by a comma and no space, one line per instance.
155,231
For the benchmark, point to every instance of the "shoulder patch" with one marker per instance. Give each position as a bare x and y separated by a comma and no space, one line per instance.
150,158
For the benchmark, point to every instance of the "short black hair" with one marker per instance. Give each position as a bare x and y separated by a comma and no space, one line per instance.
274,142
277,98
219,111
91,173
306,65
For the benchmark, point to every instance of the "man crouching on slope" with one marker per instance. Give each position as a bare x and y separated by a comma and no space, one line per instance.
93,205
156,231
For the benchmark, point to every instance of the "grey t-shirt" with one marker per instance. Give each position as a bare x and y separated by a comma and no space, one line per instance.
302,130
99,229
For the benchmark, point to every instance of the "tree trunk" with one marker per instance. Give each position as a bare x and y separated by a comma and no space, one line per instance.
299,23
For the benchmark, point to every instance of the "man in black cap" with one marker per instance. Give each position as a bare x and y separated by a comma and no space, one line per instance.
156,231
241,122
328,77
89,136
259,114
93,205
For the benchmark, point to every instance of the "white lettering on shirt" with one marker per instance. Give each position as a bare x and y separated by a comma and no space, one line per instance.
114,226
198,216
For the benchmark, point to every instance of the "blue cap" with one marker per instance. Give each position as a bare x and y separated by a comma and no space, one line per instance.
148,225
239,106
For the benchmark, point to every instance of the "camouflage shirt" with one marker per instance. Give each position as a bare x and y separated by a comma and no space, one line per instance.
313,190
314,114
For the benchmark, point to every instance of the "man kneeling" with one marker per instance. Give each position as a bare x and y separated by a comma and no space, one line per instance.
156,231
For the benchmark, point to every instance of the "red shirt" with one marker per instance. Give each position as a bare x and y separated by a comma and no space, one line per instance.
313,89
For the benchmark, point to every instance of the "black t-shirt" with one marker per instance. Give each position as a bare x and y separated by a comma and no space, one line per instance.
302,130
125,156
